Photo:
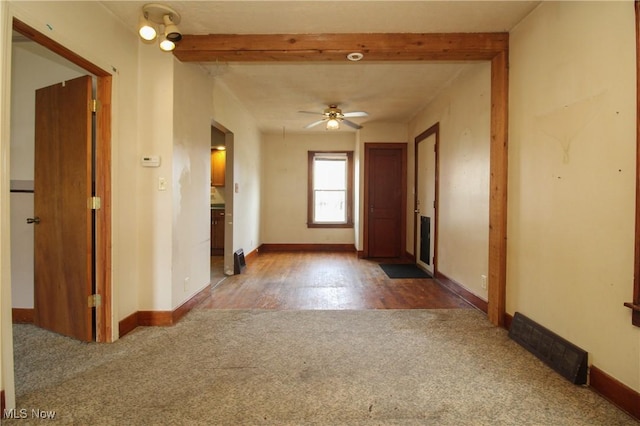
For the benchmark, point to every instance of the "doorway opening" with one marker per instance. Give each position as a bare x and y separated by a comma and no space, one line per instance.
385,200
425,221
99,180
223,190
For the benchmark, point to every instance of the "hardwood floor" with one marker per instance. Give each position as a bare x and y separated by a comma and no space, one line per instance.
320,280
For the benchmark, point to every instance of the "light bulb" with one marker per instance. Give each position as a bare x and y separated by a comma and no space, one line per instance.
333,124
166,45
146,30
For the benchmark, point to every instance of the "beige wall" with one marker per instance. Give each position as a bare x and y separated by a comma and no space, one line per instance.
191,242
154,207
571,178
284,180
463,110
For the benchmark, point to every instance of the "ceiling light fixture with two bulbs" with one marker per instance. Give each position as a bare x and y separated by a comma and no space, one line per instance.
155,16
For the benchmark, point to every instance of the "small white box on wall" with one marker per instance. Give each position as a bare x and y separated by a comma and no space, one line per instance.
150,161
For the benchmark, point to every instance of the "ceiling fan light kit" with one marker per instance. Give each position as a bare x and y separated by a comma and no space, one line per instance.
333,116
153,17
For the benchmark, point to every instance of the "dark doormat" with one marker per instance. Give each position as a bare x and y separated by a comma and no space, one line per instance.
403,270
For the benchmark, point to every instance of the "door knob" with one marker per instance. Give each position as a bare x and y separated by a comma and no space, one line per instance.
35,220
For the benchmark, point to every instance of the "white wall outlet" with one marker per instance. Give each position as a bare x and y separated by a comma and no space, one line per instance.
186,284
483,281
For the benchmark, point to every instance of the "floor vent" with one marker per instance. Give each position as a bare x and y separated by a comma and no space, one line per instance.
238,262
564,357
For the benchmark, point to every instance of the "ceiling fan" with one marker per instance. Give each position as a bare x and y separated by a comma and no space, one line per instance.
333,116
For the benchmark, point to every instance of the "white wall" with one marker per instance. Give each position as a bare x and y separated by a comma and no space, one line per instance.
572,168
6,324
463,110
284,183
155,212
191,242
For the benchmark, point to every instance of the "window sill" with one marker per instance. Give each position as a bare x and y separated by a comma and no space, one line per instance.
329,225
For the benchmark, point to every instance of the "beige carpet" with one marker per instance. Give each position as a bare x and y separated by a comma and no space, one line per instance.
379,367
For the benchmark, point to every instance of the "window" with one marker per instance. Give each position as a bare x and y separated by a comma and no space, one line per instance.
330,194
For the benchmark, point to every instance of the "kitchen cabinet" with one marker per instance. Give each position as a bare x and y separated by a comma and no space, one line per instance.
217,231
218,166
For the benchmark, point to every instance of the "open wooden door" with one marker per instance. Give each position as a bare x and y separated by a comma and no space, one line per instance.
63,217
426,199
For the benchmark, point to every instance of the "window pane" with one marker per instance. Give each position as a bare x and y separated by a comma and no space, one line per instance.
330,174
330,206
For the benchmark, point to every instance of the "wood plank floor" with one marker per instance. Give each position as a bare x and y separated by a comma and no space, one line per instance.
318,280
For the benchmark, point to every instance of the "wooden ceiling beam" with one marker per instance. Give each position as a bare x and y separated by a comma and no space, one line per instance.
335,47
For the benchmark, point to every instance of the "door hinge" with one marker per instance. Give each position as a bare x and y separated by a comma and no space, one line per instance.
94,301
93,203
95,105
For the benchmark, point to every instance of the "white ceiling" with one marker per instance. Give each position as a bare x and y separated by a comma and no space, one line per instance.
274,92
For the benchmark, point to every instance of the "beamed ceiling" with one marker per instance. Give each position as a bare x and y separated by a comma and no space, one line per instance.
281,57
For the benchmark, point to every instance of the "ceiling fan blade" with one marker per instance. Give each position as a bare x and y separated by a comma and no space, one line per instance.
315,123
351,124
355,114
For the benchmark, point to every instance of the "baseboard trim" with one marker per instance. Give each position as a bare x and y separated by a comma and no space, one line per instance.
128,324
269,248
23,315
155,318
187,306
161,318
616,392
250,257
458,289
507,320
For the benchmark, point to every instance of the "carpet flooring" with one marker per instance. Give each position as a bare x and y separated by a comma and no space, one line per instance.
228,367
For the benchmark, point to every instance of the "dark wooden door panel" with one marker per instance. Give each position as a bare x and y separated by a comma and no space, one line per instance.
386,180
63,238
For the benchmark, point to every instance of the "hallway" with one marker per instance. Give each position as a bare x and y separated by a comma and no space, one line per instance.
323,281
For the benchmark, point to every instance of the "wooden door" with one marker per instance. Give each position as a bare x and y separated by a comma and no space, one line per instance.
63,236
385,180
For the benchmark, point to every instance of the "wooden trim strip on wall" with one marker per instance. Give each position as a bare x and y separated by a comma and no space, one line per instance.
22,315
269,248
616,392
635,304
161,318
498,176
458,289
